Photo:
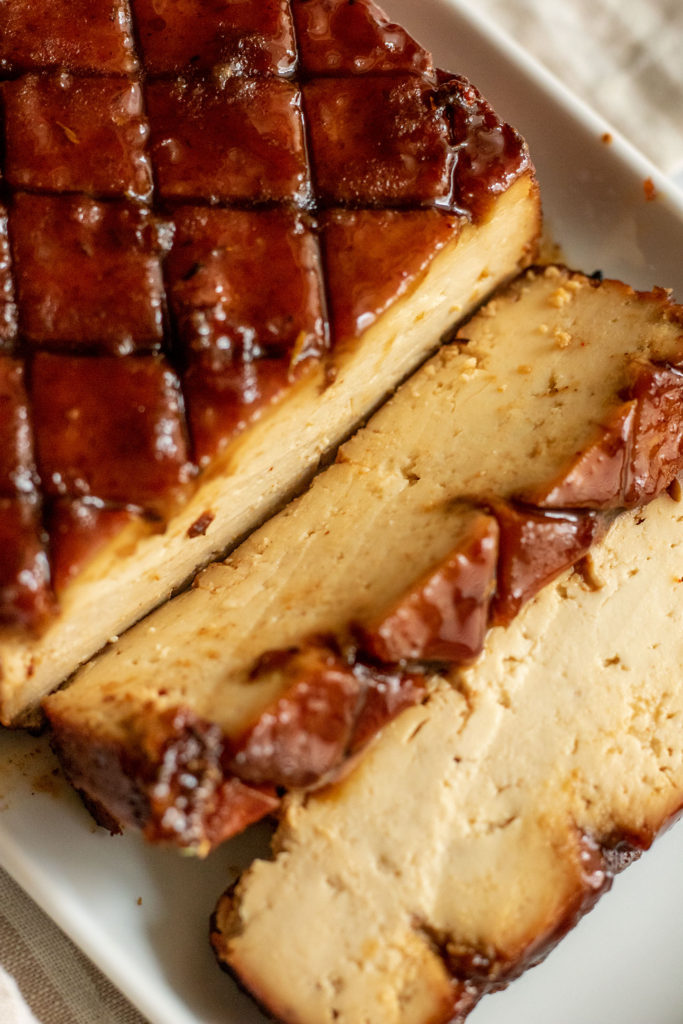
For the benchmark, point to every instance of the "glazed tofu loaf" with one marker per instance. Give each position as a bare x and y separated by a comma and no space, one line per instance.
226,232
483,823
492,470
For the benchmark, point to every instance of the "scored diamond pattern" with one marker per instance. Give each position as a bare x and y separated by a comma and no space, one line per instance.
232,140
377,141
73,35
243,37
67,133
182,192
88,273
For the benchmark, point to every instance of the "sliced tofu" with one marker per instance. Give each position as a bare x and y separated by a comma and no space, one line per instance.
142,566
483,823
189,725
211,271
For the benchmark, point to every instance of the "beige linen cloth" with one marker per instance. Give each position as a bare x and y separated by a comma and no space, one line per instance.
626,60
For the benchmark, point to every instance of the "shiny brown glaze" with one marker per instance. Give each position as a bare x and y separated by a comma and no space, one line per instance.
657,450
191,800
535,547
26,597
222,404
388,690
171,784
74,260
330,708
245,282
306,732
349,37
134,450
596,477
78,36
231,139
124,124
373,256
378,141
244,37
17,463
444,617
489,155
635,455
246,290
70,134
8,309
78,529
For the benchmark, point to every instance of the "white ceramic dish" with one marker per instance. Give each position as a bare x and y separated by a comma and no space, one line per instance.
142,914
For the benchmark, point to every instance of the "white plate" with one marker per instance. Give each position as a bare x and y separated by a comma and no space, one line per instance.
623,962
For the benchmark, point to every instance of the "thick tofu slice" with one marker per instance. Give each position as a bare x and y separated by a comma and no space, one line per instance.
272,459
215,261
481,824
191,722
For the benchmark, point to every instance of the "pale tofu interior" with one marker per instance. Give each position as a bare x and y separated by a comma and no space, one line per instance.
273,459
487,417
463,829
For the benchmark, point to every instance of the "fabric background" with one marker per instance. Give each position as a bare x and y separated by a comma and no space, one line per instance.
625,60
58,983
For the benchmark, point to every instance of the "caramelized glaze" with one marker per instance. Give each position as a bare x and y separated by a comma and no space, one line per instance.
25,593
443,617
71,134
17,468
535,547
8,309
331,706
354,38
75,258
372,256
378,141
657,451
637,453
242,36
80,35
225,139
488,155
78,529
244,336
134,450
199,202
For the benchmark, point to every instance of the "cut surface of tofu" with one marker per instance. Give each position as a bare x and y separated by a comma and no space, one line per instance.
481,824
505,409
142,567
226,235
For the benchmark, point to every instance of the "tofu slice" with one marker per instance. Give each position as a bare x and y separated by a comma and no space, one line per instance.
483,823
270,461
215,262
280,664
